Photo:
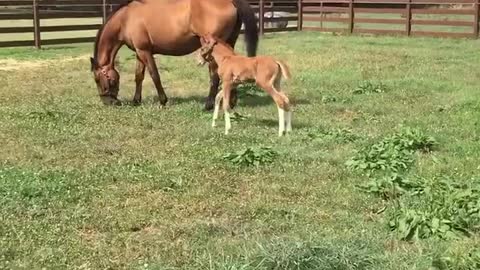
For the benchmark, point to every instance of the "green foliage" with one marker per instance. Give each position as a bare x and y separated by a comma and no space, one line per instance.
328,99
367,87
463,261
391,186
251,156
440,208
393,153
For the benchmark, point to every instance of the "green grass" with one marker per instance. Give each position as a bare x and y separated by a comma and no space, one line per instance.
84,186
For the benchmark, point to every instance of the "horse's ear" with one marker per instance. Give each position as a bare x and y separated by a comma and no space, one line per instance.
93,64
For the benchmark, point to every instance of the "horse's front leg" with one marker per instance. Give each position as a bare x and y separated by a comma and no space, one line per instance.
147,58
139,76
214,84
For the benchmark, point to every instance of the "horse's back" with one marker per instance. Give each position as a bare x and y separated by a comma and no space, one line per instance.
170,27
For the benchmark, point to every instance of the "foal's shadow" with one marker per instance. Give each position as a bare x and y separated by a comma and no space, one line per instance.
264,100
190,99
274,123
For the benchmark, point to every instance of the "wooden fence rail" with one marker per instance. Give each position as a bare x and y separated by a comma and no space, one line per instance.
440,18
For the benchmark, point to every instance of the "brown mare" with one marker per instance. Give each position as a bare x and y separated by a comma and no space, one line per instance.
233,69
168,27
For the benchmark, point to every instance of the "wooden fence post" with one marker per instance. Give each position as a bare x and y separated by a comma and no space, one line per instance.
104,11
261,14
36,25
351,16
300,15
408,18
476,19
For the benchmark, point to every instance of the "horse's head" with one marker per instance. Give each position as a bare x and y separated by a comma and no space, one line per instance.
108,82
205,53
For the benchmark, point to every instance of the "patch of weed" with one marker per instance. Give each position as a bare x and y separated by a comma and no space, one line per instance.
368,87
393,153
463,261
252,156
441,208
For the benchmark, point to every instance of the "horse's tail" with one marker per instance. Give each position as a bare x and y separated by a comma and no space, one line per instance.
285,70
249,20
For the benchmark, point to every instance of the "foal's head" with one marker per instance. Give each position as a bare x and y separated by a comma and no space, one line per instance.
205,52
108,82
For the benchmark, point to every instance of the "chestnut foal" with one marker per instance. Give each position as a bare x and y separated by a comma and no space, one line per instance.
234,69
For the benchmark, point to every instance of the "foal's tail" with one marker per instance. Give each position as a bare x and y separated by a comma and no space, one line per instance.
285,70
247,16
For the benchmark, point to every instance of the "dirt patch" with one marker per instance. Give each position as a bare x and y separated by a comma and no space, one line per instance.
13,64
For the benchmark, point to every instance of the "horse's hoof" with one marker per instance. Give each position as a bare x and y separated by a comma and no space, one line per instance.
233,102
109,101
209,105
136,102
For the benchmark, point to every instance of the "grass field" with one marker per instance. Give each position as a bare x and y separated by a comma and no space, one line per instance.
84,186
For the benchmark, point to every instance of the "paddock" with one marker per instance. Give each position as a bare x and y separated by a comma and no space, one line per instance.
380,172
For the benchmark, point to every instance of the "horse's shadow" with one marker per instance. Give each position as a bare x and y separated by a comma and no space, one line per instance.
242,101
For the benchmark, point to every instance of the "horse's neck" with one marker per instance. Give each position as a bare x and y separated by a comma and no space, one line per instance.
220,52
108,43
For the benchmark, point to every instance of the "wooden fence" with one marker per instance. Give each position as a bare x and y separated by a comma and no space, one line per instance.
442,18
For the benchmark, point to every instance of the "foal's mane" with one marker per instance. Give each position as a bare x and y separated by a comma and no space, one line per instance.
100,30
220,41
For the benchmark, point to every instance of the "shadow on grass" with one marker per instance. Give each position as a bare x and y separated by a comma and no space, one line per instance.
243,101
260,101
273,122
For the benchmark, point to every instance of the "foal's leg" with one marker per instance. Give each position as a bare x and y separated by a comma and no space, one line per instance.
282,104
232,40
288,119
214,83
139,76
147,58
288,113
218,98
227,87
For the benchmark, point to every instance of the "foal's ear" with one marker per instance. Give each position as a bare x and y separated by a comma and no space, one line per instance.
93,64
202,40
210,39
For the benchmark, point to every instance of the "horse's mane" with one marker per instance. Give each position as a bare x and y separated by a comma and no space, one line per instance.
100,30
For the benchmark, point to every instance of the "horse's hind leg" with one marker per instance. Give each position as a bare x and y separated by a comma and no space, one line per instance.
147,58
282,102
288,112
139,76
